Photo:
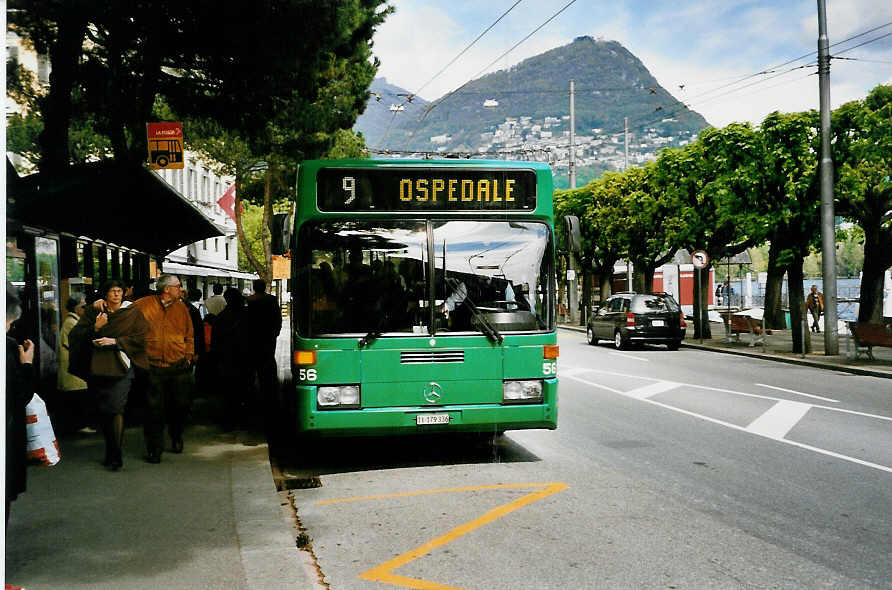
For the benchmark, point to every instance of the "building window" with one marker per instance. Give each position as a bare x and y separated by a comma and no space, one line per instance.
226,244
189,184
216,244
43,69
204,244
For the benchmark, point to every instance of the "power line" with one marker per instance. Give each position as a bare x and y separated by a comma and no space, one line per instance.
462,52
515,46
772,69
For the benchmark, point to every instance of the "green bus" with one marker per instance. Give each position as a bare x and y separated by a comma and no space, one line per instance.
422,297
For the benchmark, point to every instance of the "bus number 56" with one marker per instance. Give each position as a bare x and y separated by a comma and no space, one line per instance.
549,368
306,374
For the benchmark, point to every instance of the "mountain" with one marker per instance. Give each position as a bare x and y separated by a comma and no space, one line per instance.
378,116
532,109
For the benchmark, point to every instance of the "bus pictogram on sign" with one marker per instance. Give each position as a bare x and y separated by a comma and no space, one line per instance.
165,142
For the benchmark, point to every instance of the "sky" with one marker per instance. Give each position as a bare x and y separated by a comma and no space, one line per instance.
708,46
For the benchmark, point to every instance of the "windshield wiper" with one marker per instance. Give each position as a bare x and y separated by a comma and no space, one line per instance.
369,338
491,332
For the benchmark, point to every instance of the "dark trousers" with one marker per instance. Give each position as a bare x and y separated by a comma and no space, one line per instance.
168,399
816,315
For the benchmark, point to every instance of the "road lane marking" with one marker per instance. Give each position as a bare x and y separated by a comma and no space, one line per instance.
629,356
779,419
384,572
760,430
652,389
570,371
826,399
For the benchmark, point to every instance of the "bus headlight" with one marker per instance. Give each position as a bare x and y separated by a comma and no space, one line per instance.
518,392
338,396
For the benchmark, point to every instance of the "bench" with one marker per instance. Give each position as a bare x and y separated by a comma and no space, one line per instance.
743,324
866,336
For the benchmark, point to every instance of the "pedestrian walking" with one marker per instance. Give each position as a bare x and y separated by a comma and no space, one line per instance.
265,322
20,384
113,338
170,346
815,305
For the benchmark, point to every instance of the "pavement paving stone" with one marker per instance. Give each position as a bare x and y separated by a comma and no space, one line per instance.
207,518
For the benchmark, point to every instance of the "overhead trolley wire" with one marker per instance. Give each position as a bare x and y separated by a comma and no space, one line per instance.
513,47
454,59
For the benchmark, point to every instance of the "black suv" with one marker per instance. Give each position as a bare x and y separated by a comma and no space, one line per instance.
627,318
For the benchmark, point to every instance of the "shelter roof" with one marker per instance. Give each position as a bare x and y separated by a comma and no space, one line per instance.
121,203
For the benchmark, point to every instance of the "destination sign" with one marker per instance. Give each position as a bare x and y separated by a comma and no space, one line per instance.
425,190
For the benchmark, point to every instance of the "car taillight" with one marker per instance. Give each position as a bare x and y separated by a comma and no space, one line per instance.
630,319
683,324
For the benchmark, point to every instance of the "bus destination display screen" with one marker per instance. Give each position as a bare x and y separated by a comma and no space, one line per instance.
425,190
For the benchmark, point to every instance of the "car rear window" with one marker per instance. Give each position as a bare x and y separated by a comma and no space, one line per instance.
653,303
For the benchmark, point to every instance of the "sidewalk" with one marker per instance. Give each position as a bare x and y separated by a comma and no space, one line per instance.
778,346
207,518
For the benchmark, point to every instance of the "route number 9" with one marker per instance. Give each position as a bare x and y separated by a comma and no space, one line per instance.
349,185
549,368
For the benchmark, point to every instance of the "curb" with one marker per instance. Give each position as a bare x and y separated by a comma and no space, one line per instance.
780,359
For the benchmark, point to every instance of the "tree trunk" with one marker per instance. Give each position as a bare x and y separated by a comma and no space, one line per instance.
240,230
798,321
604,287
876,261
649,271
639,283
64,55
774,314
265,232
586,294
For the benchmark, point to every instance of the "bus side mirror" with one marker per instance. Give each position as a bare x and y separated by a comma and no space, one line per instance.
280,233
574,235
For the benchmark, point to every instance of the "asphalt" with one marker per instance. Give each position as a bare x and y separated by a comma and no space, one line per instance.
778,346
210,517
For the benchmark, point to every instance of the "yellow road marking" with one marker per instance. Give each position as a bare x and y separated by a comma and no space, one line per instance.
384,572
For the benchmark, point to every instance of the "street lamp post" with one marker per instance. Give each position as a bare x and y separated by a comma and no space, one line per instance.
828,229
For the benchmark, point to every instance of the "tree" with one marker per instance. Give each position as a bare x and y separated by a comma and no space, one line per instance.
862,152
594,207
648,226
236,64
791,210
716,185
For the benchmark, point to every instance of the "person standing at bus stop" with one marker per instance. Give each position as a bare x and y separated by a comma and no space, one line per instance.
170,346
815,304
264,325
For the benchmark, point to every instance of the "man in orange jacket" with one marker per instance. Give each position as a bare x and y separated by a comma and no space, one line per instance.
171,350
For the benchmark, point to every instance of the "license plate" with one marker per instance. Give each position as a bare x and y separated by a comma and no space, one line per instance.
424,419
657,323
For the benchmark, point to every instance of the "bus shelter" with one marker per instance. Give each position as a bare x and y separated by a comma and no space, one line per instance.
70,232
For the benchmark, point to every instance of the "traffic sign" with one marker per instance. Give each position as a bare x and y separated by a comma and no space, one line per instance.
165,141
699,259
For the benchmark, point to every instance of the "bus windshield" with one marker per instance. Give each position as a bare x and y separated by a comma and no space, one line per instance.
423,277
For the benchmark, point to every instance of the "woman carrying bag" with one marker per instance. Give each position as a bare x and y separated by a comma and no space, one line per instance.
105,345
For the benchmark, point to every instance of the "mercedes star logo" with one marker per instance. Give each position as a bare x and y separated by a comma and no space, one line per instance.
433,392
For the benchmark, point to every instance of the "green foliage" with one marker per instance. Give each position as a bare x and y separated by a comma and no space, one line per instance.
252,220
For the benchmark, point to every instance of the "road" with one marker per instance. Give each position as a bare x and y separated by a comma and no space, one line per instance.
687,469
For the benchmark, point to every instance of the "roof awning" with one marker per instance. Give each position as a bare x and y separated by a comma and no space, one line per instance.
181,268
124,204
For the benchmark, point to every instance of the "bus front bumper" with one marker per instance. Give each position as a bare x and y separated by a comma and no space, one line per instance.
424,419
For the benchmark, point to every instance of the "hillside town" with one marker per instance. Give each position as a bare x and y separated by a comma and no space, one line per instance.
547,141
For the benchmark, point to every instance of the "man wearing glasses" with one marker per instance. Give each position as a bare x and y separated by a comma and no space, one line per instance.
171,350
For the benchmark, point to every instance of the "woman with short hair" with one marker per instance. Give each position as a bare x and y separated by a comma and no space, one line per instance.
114,336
